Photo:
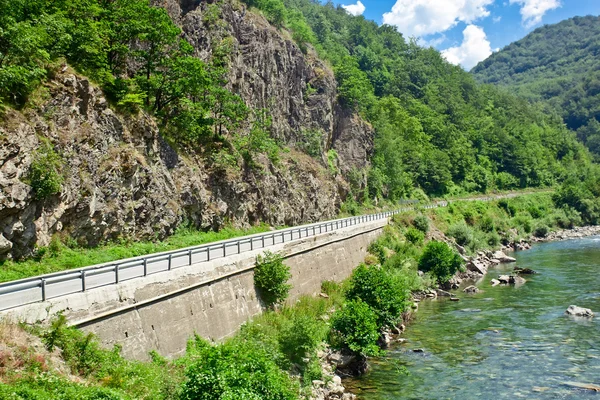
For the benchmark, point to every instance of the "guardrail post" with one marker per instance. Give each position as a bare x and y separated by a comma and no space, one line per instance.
282,237
263,241
43,285
83,280
190,256
169,262
251,244
238,247
224,250
145,266
116,273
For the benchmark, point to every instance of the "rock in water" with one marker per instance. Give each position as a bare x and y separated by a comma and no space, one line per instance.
524,271
495,282
587,386
471,289
579,311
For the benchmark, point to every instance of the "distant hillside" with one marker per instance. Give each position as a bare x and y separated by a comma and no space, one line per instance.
559,64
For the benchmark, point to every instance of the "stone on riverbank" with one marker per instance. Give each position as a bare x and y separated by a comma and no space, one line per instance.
495,282
579,311
503,258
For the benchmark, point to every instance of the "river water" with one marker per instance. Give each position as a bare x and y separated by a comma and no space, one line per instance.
504,343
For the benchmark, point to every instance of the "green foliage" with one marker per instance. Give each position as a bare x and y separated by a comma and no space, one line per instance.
415,236
356,324
461,233
237,369
541,231
270,278
421,222
311,142
380,291
258,141
439,259
332,161
555,64
45,172
73,255
83,354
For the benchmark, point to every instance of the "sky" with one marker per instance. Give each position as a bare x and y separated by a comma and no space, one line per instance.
468,31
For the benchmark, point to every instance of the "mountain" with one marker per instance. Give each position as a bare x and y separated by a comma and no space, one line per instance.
124,120
558,64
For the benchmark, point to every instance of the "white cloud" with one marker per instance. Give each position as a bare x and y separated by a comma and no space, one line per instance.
474,48
425,17
532,11
497,19
434,42
355,9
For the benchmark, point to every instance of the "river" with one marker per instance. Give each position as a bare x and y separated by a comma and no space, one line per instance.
504,343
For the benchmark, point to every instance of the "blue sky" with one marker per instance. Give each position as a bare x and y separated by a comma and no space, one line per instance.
468,31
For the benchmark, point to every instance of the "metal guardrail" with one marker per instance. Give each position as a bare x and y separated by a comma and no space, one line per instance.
41,288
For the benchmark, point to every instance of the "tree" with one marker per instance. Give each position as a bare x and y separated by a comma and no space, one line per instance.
439,259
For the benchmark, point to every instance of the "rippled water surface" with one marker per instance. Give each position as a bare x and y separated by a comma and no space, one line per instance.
506,342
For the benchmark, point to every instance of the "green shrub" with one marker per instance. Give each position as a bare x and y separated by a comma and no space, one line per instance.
381,291
524,222
301,337
356,324
493,239
535,212
421,222
45,173
332,161
378,250
439,259
541,231
311,142
461,233
505,205
270,278
235,370
487,224
414,236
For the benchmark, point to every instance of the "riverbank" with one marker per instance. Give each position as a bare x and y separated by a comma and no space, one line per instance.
514,342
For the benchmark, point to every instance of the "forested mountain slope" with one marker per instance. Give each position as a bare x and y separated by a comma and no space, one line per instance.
122,120
436,128
559,64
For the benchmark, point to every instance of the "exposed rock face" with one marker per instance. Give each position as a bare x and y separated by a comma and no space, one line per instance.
122,180
271,72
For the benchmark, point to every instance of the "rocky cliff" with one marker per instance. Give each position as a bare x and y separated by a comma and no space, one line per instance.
122,180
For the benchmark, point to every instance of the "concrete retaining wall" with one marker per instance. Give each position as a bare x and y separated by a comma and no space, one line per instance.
213,299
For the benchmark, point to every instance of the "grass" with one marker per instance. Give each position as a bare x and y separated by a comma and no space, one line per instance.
59,257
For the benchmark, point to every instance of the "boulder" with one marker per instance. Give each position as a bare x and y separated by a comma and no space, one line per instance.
503,258
495,282
524,271
477,266
504,279
579,311
471,289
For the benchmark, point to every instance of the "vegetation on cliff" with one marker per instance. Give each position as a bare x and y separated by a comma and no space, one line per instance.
136,53
556,64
